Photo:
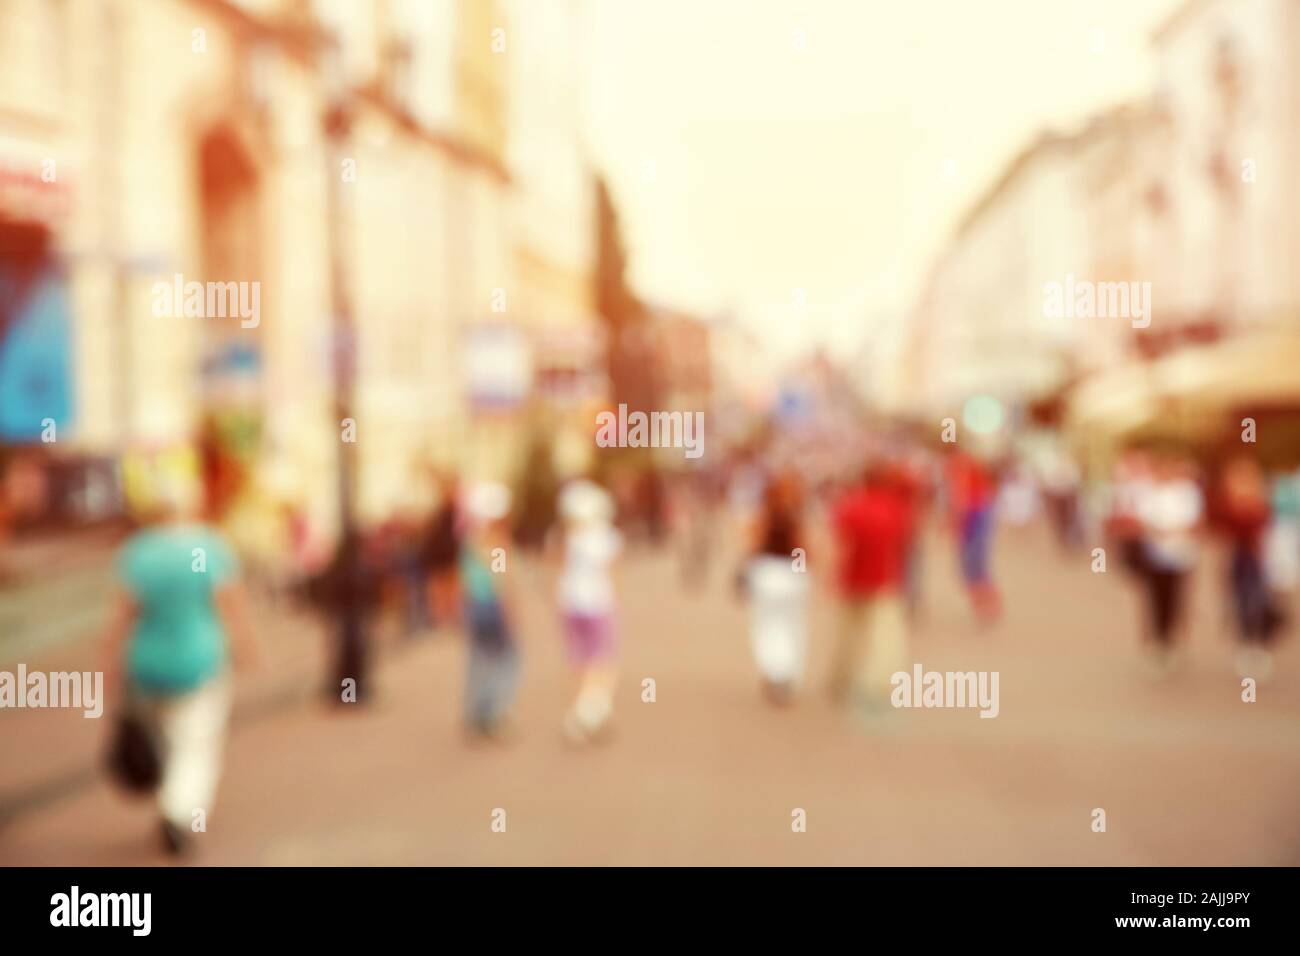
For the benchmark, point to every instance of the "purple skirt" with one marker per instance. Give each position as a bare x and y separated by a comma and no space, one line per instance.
590,637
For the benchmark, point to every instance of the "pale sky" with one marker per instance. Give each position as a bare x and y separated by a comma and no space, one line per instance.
764,150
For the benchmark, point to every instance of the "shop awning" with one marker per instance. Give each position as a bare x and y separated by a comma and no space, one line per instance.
1190,389
1255,369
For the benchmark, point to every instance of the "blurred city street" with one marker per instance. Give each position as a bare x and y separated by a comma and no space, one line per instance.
542,431
709,773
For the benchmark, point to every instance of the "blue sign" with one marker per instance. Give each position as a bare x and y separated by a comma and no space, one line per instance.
793,405
35,358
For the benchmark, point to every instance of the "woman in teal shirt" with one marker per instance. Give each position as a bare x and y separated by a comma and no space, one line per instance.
180,612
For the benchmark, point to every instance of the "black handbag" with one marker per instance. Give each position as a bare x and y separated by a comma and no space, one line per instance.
133,759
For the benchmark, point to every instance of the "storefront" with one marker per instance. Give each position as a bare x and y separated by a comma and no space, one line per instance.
1243,389
36,399
41,484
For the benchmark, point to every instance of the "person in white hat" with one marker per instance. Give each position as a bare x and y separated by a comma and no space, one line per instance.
586,597
492,677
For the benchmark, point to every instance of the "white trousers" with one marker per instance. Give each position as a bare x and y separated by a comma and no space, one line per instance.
190,729
1282,555
778,618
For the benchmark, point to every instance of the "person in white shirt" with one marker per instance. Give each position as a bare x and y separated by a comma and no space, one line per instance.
586,599
777,588
1170,511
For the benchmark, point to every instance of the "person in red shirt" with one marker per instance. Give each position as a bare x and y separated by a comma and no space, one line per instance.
872,524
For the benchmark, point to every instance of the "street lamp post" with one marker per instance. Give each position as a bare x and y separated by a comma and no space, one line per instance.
348,572
337,125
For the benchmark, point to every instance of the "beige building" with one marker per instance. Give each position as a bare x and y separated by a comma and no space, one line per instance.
980,326
552,238
1216,225
1184,191
187,139
427,229
185,135
1229,78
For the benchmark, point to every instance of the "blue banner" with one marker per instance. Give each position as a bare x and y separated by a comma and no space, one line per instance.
35,357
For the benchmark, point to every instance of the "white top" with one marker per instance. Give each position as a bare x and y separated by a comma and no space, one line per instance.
1128,495
585,585
1170,511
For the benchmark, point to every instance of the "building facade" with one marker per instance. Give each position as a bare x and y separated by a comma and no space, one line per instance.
144,148
1181,190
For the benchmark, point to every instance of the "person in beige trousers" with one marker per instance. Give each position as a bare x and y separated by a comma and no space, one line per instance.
872,523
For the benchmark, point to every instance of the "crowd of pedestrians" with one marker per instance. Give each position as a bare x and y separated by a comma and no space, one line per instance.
181,624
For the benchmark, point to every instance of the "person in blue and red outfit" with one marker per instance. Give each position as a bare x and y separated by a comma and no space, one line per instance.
1243,511
972,494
